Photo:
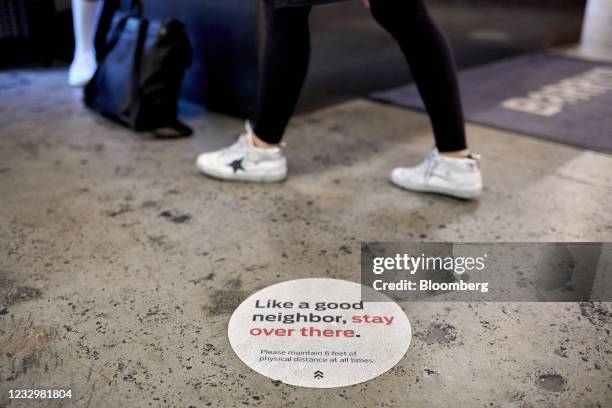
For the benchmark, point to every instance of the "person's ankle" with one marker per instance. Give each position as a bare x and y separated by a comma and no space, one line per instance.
457,154
81,54
260,144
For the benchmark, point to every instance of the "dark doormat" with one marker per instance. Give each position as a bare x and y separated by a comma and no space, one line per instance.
563,99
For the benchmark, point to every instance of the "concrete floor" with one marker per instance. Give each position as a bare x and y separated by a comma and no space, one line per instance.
121,265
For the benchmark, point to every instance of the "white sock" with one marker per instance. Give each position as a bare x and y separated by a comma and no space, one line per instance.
85,19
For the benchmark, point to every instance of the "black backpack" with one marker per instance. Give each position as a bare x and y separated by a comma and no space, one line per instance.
141,64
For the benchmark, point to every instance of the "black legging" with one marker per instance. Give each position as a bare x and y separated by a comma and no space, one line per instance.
287,53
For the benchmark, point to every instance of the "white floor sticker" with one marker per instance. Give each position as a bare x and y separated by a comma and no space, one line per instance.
318,333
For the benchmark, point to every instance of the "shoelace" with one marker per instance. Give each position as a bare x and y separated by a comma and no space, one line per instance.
241,145
241,142
237,146
430,164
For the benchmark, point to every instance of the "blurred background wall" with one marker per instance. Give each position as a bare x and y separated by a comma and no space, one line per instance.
597,30
480,31
351,54
35,32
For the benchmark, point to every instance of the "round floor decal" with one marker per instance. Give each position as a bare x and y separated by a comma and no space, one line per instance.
319,333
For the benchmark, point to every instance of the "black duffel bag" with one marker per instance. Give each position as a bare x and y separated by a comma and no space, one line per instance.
140,72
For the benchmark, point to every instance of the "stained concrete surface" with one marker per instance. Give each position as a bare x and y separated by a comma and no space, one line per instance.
121,265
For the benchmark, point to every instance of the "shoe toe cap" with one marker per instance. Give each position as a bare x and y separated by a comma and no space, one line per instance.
399,174
205,161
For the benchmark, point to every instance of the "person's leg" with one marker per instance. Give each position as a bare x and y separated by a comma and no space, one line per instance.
85,17
450,169
432,65
257,155
284,67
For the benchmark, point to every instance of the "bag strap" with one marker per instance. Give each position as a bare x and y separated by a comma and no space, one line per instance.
138,55
136,9
116,33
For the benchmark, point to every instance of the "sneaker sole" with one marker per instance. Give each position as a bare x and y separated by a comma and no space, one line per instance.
462,194
264,178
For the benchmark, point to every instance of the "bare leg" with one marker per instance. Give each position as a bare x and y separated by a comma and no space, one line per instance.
85,15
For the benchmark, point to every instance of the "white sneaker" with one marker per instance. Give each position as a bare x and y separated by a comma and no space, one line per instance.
457,177
243,161
82,69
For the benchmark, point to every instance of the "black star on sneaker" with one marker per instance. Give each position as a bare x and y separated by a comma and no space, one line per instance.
237,165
